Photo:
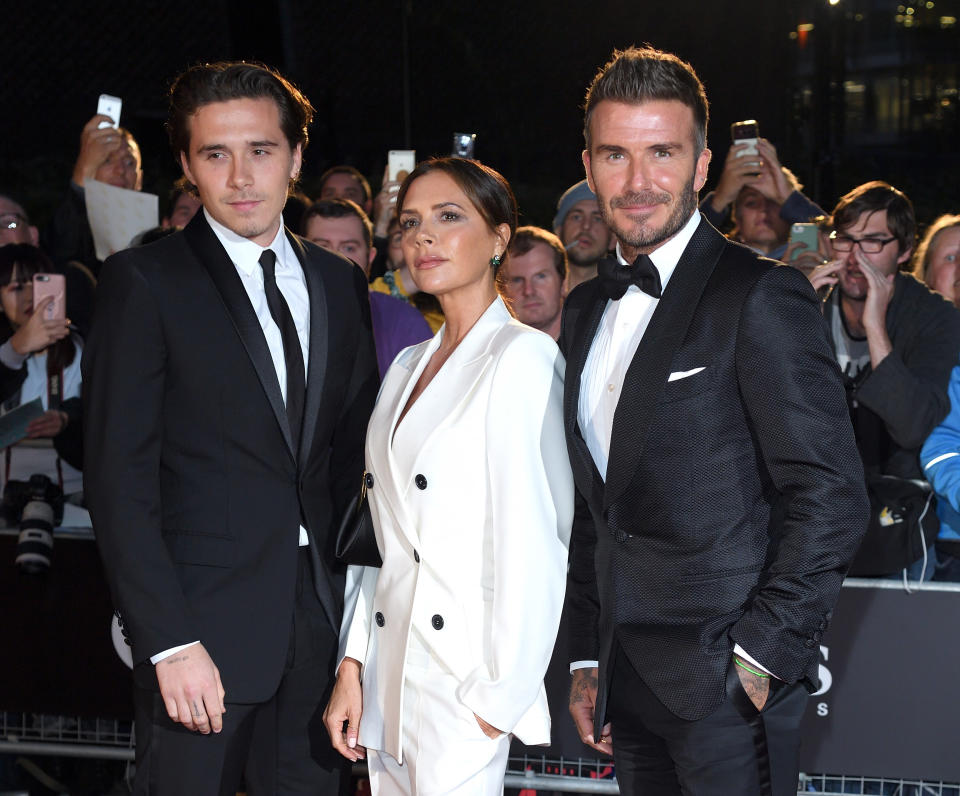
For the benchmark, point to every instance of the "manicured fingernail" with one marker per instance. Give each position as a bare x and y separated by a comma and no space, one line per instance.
351,742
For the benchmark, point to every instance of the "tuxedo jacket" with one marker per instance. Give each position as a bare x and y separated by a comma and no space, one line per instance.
472,501
734,496
191,478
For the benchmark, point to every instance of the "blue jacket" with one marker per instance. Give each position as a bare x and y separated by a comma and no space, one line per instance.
940,459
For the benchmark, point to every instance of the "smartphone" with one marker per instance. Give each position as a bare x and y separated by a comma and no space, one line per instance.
400,162
807,233
51,285
463,145
109,106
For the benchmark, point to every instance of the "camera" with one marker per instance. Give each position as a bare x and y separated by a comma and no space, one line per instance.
37,505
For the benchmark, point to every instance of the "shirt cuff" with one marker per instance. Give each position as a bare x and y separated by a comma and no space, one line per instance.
738,650
11,358
583,665
155,659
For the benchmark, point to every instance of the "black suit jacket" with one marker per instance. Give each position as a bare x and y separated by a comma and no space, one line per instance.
734,498
190,476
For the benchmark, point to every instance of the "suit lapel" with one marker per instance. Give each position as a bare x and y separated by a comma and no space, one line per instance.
319,344
648,372
585,328
222,271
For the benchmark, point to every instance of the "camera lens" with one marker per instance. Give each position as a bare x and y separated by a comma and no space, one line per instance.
35,544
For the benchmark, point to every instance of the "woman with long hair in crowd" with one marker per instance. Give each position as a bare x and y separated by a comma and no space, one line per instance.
445,646
39,359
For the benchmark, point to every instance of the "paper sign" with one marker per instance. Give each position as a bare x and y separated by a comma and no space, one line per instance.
13,425
118,215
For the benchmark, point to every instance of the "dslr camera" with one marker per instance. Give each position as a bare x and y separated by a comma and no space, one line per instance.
37,505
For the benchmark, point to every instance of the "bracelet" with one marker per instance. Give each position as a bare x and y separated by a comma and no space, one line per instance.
742,665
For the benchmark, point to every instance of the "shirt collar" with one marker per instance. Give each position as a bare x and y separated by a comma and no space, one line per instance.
666,256
243,252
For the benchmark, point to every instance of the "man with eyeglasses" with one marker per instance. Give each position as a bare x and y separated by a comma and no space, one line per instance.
895,340
15,227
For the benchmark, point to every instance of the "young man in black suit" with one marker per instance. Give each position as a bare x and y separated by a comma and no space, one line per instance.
720,494
228,378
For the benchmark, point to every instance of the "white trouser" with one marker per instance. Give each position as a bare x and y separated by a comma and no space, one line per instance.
444,750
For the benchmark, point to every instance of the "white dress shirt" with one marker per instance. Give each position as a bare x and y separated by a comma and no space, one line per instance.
622,326
245,255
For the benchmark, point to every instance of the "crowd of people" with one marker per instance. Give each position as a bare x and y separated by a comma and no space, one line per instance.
815,378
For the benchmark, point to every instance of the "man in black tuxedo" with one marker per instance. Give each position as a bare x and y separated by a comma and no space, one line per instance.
228,378
720,494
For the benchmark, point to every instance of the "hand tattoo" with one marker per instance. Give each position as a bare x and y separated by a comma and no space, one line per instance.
583,687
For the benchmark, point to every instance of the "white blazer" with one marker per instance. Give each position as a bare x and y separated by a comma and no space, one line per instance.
472,500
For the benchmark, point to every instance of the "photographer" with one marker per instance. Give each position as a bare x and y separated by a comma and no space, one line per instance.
39,358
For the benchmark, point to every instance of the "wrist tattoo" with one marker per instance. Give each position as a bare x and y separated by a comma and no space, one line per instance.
582,687
176,659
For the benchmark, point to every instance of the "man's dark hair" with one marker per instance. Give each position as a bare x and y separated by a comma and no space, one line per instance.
205,84
643,74
527,237
487,189
872,197
364,184
339,208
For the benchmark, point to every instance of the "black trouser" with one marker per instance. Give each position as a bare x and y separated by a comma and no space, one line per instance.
279,746
735,751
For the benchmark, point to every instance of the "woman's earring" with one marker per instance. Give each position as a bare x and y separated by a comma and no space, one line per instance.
496,260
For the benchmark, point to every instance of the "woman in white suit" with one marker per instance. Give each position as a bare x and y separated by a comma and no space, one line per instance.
444,648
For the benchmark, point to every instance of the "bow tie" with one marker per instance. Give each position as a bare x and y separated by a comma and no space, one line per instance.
616,278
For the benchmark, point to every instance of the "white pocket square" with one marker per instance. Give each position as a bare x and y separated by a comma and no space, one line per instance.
682,374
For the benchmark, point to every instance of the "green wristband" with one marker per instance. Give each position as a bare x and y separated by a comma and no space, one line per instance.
742,665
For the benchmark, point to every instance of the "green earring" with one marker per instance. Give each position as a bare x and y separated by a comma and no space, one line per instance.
496,260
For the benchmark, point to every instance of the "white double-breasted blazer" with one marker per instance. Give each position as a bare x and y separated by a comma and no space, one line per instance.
472,499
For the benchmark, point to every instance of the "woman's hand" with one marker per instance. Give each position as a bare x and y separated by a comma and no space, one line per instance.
49,424
346,705
38,333
488,729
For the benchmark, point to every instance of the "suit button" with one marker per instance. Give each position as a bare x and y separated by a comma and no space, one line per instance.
379,618
809,642
437,622
420,481
416,556
368,480
823,624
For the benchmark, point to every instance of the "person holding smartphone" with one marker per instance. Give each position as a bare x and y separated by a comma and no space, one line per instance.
39,358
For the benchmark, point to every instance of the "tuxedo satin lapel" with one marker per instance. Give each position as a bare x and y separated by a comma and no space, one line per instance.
650,367
585,328
237,303
319,344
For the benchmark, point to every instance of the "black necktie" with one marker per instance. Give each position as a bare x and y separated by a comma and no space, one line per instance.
292,353
616,278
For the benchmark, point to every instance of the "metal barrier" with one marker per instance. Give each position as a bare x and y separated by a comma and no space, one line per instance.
870,618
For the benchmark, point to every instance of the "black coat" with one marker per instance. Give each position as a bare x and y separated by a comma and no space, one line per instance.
190,477
734,498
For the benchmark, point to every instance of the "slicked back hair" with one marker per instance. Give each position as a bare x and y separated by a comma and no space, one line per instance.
205,84
644,74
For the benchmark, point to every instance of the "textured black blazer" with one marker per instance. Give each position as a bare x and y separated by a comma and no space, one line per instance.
190,475
734,497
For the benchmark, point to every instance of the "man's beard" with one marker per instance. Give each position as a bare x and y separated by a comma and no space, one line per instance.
641,237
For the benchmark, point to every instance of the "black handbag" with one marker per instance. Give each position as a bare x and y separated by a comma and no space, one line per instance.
903,524
356,540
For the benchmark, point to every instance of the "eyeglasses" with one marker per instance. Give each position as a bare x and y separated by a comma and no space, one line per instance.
844,243
11,221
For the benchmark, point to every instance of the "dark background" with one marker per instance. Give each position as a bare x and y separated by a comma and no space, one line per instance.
514,73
